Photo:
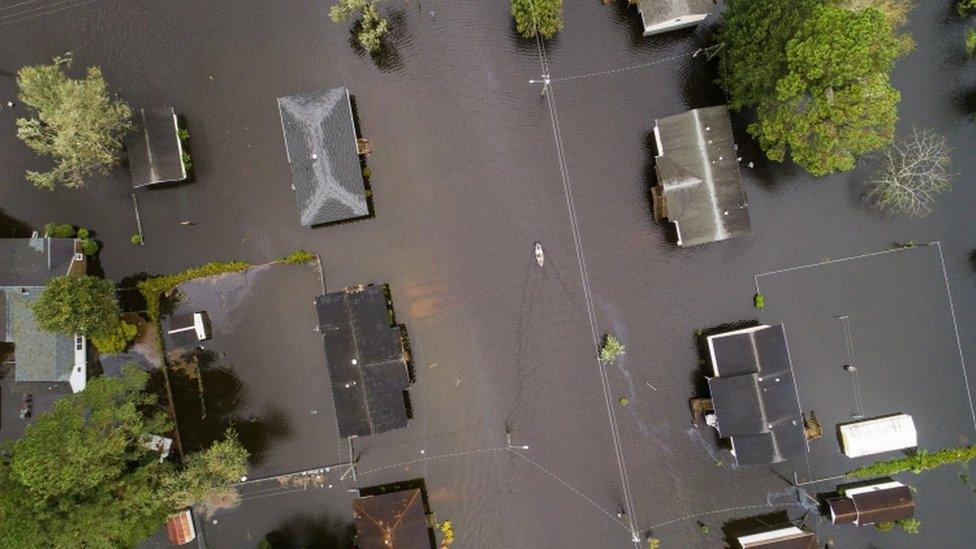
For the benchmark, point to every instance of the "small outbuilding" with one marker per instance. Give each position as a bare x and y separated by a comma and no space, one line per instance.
323,151
395,520
754,395
367,362
698,188
180,528
884,501
190,328
154,148
878,435
666,15
789,537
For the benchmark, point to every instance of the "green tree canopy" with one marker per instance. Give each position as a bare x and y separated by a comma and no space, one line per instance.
83,305
82,477
533,17
79,476
755,35
76,122
835,101
371,27
208,474
817,73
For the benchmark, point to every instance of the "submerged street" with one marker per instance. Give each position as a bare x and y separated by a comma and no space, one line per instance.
471,166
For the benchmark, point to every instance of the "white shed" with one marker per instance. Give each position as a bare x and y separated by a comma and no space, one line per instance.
874,436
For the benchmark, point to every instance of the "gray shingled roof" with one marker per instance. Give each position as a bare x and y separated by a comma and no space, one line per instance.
34,261
655,12
699,176
40,355
320,139
154,149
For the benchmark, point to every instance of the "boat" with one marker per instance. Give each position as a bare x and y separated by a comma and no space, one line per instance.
540,254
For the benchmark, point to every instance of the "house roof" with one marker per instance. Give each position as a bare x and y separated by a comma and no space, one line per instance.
364,354
39,355
871,504
655,12
392,521
754,395
154,149
34,261
698,176
320,140
789,537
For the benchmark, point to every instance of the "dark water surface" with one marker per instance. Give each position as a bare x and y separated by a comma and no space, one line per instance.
465,179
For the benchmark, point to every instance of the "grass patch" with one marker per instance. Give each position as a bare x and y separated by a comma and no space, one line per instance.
298,257
923,460
152,289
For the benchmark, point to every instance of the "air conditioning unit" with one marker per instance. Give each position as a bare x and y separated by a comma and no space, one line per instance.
79,257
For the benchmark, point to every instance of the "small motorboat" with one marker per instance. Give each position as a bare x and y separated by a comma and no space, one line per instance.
540,254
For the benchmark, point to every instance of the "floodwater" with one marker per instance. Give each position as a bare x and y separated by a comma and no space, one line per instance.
465,179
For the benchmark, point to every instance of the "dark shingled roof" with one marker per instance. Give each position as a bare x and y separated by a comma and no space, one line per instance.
754,395
154,148
34,261
392,521
884,502
698,176
320,139
368,394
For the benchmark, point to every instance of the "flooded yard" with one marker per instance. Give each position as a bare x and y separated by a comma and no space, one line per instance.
465,178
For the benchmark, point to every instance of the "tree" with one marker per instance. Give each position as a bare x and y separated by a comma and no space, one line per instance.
835,102
544,17
117,339
76,122
611,349
913,173
82,305
370,28
754,39
81,477
966,7
909,525
896,11
206,479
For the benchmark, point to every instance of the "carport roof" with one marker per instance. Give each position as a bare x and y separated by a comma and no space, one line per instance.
320,140
364,354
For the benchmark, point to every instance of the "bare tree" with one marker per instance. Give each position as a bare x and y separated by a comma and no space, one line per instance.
914,172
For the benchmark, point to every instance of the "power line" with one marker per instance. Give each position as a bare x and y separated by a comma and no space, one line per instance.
32,16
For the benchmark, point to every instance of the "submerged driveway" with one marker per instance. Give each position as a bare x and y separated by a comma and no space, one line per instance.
469,169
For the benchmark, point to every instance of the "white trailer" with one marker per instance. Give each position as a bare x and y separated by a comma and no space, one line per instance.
874,436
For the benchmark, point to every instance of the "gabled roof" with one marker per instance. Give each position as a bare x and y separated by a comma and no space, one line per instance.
33,262
320,140
154,149
365,357
870,504
180,528
656,12
789,537
391,521
698,176
754,395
